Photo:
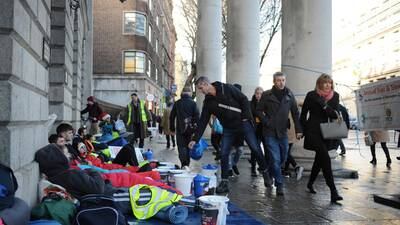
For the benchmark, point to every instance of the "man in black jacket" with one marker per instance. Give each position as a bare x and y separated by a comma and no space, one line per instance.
273,110
184,109
94,111
232,109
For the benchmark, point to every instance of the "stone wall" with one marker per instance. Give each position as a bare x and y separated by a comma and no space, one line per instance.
24,26
33,86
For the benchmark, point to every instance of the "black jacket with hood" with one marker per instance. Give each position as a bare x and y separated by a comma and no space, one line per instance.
182,109
229,105
54,164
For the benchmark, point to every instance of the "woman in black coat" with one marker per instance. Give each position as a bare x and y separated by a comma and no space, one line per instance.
321,104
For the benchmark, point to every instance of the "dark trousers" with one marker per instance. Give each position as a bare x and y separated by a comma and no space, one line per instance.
183,150
385,149
228,140
216,143
260,140
290,159
172,137
322,161
341,146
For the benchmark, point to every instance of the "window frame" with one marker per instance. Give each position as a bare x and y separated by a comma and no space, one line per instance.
134,32
135,51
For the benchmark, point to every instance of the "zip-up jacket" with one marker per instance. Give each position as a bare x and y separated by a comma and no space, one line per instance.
229,105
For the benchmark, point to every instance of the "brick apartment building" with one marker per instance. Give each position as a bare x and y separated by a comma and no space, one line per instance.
134,50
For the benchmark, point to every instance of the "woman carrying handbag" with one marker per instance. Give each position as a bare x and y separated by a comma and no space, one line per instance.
321,104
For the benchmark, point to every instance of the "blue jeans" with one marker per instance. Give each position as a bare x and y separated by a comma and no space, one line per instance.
278,150
247,130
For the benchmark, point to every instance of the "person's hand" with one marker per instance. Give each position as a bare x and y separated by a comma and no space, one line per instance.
299,136
173,133
191,144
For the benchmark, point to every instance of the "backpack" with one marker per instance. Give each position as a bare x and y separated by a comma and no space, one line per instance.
98,210
54,207
190,124
8,187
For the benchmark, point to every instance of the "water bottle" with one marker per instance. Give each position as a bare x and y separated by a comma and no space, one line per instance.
149,154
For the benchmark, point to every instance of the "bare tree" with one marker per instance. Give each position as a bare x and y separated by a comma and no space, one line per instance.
189,11
270,23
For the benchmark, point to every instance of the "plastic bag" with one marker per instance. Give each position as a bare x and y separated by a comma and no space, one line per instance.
197,151
120,126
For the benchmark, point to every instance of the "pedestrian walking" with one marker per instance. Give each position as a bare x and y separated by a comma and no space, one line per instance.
259,127
136,117
381,136
216,136
186,115
170,136
345,116
238,147
290,159
94,111
273,109
321,104
232,109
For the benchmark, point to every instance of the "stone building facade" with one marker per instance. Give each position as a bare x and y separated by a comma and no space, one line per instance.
45,67
134,45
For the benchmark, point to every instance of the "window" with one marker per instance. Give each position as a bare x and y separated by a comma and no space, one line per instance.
134,62
134,23
150,34
149,64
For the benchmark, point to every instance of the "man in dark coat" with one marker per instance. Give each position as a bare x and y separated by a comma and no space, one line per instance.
94,111
136,117
184,109
273,110
232,109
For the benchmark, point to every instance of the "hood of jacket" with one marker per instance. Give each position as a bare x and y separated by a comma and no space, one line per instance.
51,160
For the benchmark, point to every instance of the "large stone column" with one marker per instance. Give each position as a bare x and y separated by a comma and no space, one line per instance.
306,53
243,45
209,43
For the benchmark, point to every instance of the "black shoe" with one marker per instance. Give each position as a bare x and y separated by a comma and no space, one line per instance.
279,191
335,196
398,157
267,179
253,172
223,187
342,153
230,173
388,162
285,173
311,189
235,170
373,161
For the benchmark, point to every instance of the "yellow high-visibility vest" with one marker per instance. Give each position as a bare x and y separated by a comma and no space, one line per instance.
142,110
159,199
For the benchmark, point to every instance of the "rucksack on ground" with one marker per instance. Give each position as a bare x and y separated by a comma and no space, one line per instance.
8,187
98,210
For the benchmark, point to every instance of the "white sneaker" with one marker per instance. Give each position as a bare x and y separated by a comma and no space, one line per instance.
299,172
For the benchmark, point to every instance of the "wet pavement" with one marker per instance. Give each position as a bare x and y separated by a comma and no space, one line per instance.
300,207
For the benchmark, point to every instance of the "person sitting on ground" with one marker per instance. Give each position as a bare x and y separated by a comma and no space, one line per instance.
78,138
66,131
107,128
54,164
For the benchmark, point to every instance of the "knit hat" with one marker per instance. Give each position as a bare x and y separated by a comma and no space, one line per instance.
105,117
90,99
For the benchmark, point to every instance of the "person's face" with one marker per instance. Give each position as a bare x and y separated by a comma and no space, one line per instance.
90,103
279,82
258,94
60,142
327,86
134,98
204,87
84,132
68,135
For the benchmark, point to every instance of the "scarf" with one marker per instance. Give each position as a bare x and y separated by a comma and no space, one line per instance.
327,95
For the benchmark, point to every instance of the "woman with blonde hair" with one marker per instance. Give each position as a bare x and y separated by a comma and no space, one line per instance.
321,104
